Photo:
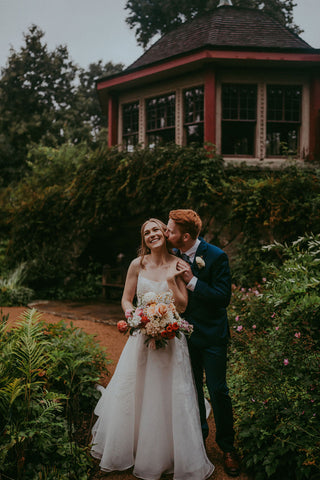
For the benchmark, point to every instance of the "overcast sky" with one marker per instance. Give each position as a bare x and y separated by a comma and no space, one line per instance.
96,30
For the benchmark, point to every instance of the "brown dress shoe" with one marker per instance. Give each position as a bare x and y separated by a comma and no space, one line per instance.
231,464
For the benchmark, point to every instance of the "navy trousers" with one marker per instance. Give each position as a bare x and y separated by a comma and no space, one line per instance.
213,361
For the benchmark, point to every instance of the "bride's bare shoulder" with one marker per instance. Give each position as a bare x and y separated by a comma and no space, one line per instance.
136,264
173,258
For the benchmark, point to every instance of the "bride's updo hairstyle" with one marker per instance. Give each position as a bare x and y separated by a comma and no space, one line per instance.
144,250
188,221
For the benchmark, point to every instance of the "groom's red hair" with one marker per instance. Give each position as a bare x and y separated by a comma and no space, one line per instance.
188,221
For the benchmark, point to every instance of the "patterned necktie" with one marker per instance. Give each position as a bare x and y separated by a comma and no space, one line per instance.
186,258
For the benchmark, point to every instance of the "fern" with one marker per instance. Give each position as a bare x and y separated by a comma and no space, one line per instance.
9,393
4,323
30,323
49,409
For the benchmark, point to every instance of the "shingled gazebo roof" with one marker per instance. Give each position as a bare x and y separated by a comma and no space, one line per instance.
225,28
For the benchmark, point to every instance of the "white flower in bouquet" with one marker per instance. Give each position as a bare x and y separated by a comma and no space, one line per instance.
167,297
149,297
134,321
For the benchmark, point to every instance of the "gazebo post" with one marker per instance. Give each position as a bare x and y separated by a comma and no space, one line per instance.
210,107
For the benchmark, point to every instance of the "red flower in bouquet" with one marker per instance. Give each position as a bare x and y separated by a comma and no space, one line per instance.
122,326
144,320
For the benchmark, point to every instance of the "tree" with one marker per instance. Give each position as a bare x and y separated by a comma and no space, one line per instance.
45,98
36,89
154,17
86,98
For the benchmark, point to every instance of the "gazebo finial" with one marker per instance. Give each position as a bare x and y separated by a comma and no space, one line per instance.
224,3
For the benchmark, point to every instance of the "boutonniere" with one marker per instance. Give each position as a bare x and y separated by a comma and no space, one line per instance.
200,262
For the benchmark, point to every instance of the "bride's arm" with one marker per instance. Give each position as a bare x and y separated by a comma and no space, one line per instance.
179,290
130,285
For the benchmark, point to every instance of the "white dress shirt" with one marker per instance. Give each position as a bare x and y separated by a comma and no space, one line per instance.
191,254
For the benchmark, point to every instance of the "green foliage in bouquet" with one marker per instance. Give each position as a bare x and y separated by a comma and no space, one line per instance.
275,366
47,389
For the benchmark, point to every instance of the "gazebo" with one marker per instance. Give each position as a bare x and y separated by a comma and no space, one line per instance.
235,78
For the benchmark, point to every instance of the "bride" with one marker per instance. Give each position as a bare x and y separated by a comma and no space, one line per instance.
148,415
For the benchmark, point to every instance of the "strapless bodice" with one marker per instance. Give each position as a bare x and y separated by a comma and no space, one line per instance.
146,285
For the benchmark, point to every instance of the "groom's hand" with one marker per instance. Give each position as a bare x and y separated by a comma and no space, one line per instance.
185,269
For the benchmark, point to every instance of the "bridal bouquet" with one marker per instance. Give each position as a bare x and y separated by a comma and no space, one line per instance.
155,317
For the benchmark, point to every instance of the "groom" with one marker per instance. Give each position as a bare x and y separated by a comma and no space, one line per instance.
209,286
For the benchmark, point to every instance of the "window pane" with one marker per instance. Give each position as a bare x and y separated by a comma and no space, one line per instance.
238,138
239,102
161,112
194,105
195,134
284,103
129,142
194,115
283,119
282,139
161,137
275,103
292,104
130,118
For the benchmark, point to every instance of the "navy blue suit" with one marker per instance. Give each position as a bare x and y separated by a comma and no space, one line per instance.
206,311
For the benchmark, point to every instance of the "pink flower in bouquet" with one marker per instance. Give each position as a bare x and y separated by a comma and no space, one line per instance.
122,326
128,313
139,311
161,309
151,310
152,329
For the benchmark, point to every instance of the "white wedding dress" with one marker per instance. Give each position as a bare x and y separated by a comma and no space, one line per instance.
148,415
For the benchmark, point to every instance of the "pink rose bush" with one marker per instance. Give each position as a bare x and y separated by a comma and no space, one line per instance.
275,364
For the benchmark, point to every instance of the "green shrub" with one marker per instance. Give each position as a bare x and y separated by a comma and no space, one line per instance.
277,206
47,388
275,366
12,292
80,208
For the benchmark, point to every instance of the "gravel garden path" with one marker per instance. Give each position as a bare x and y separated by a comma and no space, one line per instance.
100,319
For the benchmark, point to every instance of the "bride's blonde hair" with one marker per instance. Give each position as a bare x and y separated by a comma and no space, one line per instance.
144,250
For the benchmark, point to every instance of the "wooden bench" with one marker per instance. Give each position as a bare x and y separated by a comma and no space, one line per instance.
113,280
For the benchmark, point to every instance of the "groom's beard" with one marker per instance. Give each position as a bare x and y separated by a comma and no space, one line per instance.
176,245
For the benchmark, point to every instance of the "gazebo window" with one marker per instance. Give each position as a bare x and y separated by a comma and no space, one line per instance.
161,119
239,116
283,119
130,126
194,115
